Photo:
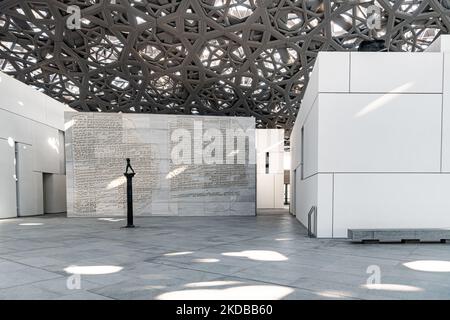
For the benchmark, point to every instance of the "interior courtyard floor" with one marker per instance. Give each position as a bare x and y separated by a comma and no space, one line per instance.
264,257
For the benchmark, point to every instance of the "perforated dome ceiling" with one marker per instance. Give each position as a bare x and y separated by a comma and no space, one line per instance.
221,57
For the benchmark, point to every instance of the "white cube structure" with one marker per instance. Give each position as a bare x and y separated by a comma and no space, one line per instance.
270,168
371,143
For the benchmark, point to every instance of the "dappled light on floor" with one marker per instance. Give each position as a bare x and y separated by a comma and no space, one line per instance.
264,257
333,294
111,219
391,287
92,270
429,265
258,255
206,260
181,253
31,224
251,292
283,239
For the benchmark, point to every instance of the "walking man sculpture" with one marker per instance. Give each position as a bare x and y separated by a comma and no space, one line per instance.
129,166
129,176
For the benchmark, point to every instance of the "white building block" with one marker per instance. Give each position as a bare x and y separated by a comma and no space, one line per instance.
396,72
379,132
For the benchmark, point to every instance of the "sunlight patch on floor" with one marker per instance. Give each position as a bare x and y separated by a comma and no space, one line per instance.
391,287
92,270
256,292
258,255
429,265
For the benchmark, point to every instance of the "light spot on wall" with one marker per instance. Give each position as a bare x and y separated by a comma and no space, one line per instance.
54,144
176,172
68,124
11,142
116,182
383,100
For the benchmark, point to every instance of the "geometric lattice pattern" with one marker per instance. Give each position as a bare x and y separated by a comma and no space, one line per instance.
218,57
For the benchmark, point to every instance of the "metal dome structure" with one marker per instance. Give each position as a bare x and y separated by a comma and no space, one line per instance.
215,57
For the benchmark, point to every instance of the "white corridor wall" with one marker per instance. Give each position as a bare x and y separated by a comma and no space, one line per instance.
32,124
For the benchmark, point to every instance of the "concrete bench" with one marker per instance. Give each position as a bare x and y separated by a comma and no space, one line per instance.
399,235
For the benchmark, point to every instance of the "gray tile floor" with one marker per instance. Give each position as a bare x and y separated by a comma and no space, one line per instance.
263,257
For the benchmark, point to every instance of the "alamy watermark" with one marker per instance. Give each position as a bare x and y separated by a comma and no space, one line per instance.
373,17
375,275
212,146
73,282
73,21
373,13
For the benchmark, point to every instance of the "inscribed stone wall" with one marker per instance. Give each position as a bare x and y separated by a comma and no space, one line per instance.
98,143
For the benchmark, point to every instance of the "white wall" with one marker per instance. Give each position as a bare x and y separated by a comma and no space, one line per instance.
446,114
7,180
379,132
311,142
396,72
35,123
270,186
390,201
377,137
20,99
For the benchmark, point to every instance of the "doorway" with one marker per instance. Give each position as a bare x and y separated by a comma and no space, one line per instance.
29,191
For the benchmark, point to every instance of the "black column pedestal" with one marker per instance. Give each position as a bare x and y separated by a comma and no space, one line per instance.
129,177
